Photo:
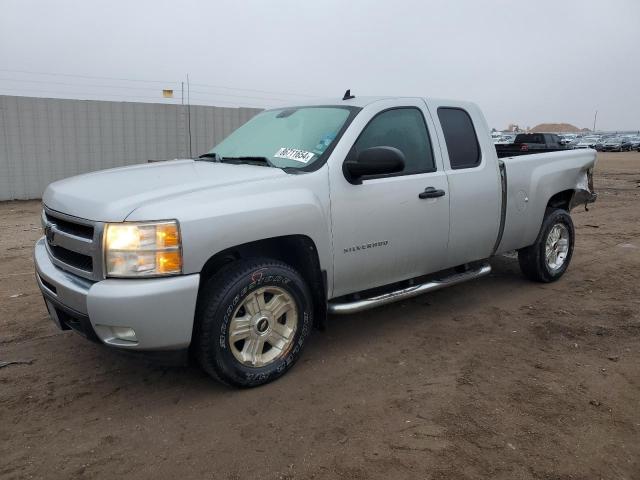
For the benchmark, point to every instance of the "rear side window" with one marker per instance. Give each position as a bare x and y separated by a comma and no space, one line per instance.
530,138
404,129
460,136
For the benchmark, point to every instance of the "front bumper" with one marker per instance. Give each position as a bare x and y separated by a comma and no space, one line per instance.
160,311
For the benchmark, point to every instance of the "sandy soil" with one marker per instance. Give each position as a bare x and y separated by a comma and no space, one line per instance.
498,378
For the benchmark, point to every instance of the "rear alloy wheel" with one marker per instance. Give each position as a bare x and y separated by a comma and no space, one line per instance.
549,257
557,247
252,321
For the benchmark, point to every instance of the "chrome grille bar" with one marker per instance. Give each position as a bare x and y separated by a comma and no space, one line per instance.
74,244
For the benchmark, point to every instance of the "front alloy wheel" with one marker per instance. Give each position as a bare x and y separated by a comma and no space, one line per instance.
252,321
263,326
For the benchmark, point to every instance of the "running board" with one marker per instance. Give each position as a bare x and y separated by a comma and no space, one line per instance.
405,293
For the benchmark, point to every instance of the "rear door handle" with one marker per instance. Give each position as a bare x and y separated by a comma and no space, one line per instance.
431,192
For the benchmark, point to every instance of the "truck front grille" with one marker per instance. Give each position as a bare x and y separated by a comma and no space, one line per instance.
76,229
74,244
71,258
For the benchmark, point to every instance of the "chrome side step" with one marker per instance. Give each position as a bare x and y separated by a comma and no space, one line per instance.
405,293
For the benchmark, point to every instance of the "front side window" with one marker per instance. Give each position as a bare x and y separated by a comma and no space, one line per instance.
404,129
460,137
287,138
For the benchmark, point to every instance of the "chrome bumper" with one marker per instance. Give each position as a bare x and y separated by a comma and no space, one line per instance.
160,311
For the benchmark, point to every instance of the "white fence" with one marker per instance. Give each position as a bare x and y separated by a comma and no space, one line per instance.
46,139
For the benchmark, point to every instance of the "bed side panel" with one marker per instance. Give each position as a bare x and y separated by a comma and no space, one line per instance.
531,181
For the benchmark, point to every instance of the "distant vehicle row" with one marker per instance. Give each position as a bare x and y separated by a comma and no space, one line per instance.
509,144
602,143
619,144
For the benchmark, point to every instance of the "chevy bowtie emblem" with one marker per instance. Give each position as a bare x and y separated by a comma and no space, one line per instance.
50,234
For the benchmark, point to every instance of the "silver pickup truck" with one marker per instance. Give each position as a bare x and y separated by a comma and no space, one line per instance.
334,207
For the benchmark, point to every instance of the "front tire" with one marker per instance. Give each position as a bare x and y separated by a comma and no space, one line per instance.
549,257
252,321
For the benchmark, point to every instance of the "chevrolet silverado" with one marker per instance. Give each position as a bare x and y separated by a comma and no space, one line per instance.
304,211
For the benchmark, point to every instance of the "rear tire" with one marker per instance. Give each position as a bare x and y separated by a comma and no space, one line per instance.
252,321
549,257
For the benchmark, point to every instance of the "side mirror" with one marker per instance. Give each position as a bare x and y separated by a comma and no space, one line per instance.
373,161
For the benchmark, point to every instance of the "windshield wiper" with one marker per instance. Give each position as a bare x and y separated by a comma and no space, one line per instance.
250,160
212,155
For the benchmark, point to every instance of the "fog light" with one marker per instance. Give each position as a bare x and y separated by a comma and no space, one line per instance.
124,333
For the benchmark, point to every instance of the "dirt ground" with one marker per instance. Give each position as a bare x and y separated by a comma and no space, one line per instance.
498,378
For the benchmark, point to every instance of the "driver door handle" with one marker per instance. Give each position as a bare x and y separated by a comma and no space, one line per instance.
431,192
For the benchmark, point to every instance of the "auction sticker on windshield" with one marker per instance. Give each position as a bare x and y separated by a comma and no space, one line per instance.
294,154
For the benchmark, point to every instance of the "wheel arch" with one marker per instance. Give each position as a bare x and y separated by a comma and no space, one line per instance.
298,251
562,199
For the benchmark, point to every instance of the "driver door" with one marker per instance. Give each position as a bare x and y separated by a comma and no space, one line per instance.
384,230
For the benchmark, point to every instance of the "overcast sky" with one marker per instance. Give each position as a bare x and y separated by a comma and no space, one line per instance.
522,61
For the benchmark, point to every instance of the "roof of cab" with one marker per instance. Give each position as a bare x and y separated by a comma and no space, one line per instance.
362,102
333,101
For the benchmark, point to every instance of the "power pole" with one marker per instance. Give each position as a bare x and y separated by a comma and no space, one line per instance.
594,120
189,115
182,94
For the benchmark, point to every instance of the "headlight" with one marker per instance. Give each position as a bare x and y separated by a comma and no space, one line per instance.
147,249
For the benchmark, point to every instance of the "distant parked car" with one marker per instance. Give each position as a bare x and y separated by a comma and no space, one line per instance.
586,142
505,139
615,144
635,143
627,144
601,141
567,138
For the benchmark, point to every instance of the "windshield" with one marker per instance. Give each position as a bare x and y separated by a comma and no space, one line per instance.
288,137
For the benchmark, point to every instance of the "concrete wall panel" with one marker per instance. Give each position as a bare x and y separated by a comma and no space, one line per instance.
46,139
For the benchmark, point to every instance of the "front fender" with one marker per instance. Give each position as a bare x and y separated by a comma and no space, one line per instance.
214,220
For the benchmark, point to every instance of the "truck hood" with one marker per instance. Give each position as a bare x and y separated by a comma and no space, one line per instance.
111,195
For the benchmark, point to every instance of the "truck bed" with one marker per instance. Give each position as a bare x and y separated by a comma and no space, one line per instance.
512,150
531,180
